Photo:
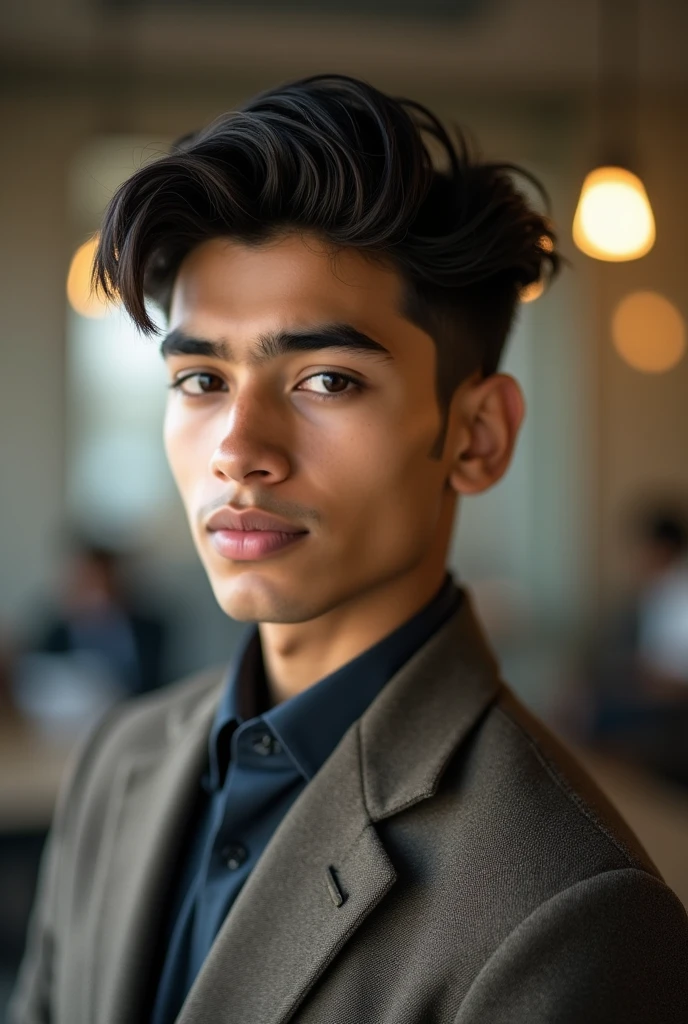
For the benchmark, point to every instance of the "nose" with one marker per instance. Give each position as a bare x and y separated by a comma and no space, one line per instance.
252,442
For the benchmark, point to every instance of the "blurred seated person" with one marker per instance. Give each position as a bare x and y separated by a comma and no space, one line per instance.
96,613
638,665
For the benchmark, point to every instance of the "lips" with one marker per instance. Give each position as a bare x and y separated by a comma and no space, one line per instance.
250,520
250,535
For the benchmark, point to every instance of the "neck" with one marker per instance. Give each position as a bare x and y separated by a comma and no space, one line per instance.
297,655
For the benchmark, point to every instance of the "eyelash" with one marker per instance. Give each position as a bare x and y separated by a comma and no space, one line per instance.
358,386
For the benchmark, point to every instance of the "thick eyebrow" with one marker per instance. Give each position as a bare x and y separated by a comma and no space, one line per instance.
278,343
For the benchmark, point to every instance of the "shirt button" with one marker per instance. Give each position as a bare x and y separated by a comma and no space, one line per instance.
234,855
266,744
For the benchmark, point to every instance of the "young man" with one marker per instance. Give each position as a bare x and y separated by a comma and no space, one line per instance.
357,822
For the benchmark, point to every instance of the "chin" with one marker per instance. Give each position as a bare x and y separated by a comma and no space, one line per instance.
250,597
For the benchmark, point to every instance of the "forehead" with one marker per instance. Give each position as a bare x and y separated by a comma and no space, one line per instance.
290,281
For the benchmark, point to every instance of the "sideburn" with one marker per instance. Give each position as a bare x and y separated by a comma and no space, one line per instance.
457,353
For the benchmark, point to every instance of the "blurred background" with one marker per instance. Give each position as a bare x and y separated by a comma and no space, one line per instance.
577,560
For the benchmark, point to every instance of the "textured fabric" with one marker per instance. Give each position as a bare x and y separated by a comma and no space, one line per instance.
450,863
260,759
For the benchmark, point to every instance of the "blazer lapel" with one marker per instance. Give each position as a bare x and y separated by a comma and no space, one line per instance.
325,868
424,714
154,795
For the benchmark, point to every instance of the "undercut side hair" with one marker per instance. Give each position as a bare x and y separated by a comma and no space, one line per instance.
334,156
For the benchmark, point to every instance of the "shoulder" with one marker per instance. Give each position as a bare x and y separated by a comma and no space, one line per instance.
523,833
542,804
516,820
611,947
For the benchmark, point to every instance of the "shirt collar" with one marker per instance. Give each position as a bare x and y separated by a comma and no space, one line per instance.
310,725
244,680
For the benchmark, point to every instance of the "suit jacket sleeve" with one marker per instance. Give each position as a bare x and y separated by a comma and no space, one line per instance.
613,947
32,999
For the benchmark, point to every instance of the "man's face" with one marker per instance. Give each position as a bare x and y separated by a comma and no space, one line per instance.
318,406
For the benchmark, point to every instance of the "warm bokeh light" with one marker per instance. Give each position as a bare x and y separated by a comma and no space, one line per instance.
614,219
532,291
649,332
81,298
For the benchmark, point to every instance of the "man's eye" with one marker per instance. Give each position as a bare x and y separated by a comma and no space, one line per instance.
195,384
323,385
333,384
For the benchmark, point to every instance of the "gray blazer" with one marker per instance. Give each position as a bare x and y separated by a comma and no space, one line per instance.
449,864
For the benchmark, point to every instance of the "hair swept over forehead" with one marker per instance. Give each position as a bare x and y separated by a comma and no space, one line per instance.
335,156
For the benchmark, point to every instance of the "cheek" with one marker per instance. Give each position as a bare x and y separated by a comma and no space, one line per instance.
413,482
183,446
383,477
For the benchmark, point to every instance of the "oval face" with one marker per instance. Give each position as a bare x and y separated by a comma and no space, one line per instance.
299,391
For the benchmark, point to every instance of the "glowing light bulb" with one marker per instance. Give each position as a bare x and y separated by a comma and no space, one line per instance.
81,298
614,219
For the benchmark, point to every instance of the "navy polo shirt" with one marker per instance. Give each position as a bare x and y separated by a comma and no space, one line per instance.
260,758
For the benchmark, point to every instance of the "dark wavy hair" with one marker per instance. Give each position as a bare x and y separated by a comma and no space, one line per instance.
332,155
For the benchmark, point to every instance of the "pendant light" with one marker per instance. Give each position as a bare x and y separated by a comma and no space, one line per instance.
82,298
614,219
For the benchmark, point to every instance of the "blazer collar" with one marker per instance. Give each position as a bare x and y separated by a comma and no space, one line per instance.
419,720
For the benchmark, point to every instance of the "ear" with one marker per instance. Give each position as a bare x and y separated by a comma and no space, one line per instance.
489,415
